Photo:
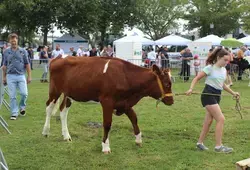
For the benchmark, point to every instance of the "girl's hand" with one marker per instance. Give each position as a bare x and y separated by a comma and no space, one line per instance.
189,92
236,95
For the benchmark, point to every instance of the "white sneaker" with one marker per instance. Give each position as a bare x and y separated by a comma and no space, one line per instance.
13,117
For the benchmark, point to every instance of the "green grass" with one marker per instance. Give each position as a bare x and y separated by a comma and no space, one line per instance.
169,135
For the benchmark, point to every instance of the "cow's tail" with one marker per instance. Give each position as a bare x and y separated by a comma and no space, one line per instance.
56,107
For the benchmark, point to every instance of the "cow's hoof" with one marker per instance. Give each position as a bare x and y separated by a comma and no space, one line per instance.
45,134
139,144
107,152
68,140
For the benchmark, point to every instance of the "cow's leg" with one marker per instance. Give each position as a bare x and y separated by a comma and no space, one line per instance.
50,106
64,108
133,118
107,121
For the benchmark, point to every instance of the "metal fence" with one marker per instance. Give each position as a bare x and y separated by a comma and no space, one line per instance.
177,67
3,163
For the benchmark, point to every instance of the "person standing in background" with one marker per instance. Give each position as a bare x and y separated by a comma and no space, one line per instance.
58,52
30,56
93,52
79,51
44,62
186,58
72,52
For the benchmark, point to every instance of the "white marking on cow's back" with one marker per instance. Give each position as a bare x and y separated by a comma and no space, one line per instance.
106,67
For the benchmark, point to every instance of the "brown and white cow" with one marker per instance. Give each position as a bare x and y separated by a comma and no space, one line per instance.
117,84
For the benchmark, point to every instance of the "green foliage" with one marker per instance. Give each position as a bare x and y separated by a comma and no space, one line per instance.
224,14
158,17
15,17
246,16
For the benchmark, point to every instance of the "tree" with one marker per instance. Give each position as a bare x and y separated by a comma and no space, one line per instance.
44,15
246,16
114,15
96,19
15,15
223,14
158,17
78,16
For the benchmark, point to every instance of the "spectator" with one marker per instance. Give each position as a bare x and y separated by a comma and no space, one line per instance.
110,51
30,56
151,56
44,61
72,52
196,64
79,51
93,52
164,57
58,52
186,58
104,52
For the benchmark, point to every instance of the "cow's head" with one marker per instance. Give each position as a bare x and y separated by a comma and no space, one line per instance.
164,85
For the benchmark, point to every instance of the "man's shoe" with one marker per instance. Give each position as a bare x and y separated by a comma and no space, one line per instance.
13,117
22,113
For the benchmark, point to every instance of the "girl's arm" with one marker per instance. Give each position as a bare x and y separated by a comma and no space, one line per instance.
195,80
227,89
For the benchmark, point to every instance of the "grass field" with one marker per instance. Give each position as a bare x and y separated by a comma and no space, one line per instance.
169,135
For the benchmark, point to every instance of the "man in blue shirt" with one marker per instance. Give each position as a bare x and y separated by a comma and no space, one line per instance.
14,66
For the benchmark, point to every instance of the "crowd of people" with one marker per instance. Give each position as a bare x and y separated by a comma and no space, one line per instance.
160,57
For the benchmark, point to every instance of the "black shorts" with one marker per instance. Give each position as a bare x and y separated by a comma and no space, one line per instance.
210,99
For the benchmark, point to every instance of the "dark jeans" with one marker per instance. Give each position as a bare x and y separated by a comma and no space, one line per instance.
165,63
185,71
240,73
31,64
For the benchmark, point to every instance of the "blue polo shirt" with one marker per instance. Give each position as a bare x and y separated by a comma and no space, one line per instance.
15,61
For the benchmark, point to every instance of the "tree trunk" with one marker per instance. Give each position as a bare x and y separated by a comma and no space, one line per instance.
45,36
103,32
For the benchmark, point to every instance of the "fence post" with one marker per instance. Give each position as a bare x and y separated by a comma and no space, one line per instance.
3,101
3,163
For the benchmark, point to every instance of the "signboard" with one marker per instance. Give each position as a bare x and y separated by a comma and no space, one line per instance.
201,49
137,53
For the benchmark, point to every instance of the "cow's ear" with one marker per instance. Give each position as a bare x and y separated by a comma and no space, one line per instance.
156,69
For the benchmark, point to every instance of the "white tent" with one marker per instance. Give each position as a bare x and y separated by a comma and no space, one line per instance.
214,39
130,48
172,40
245,40
135,39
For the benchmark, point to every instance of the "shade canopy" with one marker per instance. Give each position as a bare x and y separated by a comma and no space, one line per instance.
172,40
231,43
214,39
245,40
136,38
